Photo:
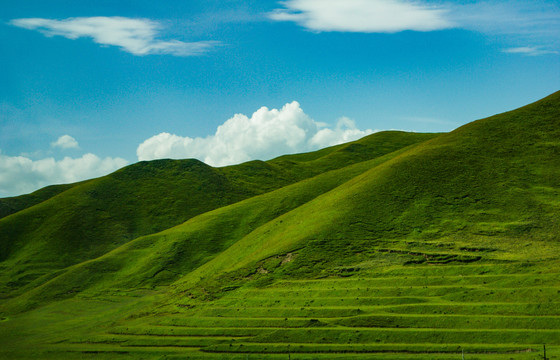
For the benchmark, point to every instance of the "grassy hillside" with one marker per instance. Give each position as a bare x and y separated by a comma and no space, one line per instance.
497,178
94,217
14,204
398,246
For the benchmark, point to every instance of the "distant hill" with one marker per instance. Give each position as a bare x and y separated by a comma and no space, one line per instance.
398,244
14,204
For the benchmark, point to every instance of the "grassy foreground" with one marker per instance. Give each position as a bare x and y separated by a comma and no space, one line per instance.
487,311
397,246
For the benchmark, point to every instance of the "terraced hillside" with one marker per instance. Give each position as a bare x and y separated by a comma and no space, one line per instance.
442,248
487,310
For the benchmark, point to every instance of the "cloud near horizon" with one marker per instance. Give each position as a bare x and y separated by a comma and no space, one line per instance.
529,51
65,142
20,174
135,36
268,133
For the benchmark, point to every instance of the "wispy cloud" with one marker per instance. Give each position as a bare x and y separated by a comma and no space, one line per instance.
530,28
515,22
529,51
517,18
266,134
136,36
66,142
381,16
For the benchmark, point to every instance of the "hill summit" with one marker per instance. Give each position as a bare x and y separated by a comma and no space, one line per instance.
398,245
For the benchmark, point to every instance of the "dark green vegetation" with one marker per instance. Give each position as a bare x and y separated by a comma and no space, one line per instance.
396,246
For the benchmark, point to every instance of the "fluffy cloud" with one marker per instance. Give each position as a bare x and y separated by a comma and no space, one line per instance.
136,36
19,174
264,135
344,131
66,142
380,16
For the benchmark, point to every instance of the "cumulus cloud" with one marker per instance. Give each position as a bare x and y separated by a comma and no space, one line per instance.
136,36
266,134
19,174
66,142
344,131
380,16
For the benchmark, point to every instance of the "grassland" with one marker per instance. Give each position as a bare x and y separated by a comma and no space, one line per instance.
66,225
490,310
398,246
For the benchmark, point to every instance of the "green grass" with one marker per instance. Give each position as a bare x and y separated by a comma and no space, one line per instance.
14,204
90,219
397,246
298,317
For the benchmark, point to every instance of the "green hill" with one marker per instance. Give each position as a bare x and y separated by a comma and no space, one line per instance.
14,204
94,217
396,246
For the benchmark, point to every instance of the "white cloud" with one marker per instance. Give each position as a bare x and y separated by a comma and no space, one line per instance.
266,134
380,16
514,21
19,174
66,142
529,51
518,22
136,36
511,17
344,131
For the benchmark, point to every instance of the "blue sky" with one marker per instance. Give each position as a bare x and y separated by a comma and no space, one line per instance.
88,87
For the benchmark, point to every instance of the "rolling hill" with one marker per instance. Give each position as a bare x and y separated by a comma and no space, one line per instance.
86,220
398,245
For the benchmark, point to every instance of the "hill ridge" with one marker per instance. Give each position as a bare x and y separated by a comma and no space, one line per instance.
96,216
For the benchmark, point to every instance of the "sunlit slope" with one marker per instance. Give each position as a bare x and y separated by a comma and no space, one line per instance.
481,183
97,216
446,245
450,246
497,178
161,258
